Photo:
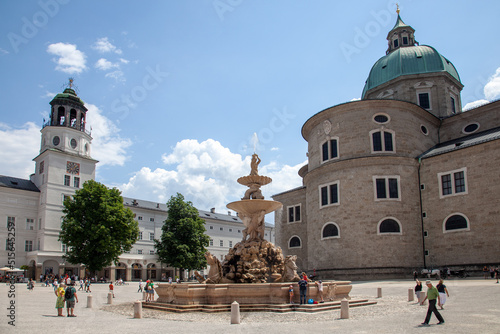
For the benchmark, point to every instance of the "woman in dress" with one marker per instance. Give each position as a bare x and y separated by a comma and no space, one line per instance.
60,300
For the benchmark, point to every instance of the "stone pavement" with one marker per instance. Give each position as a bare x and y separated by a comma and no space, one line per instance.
473,307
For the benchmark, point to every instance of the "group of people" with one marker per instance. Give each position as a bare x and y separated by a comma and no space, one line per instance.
66,294
491,272
85,285
149,288
303,284
436,295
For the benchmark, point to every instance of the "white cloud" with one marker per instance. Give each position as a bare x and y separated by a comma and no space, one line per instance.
4,52
205,173
103,45
492,88
124,61
474,104
491,92
19,147
107,145
117,75
70,59
104,64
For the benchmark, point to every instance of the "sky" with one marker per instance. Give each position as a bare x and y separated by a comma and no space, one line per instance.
181,93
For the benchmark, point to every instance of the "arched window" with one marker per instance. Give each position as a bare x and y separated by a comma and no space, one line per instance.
382,141
61,116
72,118
456,222
389,226
294,242
330,230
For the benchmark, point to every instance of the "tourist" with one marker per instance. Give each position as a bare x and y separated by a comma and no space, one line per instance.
112,289
418,289
290,293
170,280
319,284
485,272
81,284
60,300
497,273
31,285
151,291
70,297
140,286
303,290
492,272
443,293
433,296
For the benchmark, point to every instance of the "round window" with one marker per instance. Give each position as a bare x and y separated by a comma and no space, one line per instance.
381,119
56,140
73,143
424,130
471,128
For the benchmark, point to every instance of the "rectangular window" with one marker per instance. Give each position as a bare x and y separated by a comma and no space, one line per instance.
396,43
28,246
453,182
211,242
222,228
76,182
140,236
64,248
453,107
8,245
39,223
139,251
330,150
139,218
151,252
386,187
211,227
388,141
221,243
405,40
11,221
294,213
230,243
67,180
151,219
151,236
424,101
329,194
30,224
230,230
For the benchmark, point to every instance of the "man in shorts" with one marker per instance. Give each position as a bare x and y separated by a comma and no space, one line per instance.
70,297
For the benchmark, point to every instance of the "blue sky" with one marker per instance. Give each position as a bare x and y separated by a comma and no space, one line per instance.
177,89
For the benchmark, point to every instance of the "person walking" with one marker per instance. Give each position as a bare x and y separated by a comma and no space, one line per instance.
303,290
112,289
140,286
443,293
433,296
70,297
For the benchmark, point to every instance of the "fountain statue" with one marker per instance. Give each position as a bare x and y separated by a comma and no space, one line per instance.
252,260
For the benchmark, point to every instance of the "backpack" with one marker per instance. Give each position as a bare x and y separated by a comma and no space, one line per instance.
69,293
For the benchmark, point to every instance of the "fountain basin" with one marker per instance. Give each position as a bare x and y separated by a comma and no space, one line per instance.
261,180
243,293
250,207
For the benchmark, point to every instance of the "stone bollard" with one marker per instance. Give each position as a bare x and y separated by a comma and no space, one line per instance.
138,309
344,309
144,295
422,296
89,301
410,294
110,298
379,292
235,313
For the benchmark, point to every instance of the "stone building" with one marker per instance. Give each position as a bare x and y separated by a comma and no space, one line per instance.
402,179
33,208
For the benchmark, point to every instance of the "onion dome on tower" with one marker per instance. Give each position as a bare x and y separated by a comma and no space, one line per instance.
414,73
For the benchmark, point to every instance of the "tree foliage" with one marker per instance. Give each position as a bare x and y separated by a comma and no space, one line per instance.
97,228
183,240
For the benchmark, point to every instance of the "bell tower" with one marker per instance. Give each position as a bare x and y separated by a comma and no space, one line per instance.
63,165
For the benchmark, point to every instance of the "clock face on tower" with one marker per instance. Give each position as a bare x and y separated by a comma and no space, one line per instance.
73,168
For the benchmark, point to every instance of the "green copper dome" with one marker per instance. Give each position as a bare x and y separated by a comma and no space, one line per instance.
406,61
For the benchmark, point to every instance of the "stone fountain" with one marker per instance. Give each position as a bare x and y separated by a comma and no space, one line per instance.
255,270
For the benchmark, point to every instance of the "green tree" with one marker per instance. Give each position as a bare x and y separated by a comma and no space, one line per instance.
183,238
97,228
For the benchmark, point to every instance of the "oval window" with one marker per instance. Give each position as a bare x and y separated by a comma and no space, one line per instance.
381,119
56,140
424,130
73,143
471,128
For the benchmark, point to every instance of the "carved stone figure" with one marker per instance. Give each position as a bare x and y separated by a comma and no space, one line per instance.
253,192
254,165
215,272
290,269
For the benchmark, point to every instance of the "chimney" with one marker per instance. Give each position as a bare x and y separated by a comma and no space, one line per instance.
212,210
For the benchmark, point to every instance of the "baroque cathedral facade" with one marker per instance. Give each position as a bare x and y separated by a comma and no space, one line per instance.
400,180
31,210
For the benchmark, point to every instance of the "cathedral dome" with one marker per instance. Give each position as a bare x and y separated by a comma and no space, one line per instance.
418,59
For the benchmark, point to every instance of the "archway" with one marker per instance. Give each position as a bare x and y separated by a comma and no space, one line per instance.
136,271
120,271
50,267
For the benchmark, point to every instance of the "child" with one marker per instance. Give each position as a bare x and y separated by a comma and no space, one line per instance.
290,293
111,289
